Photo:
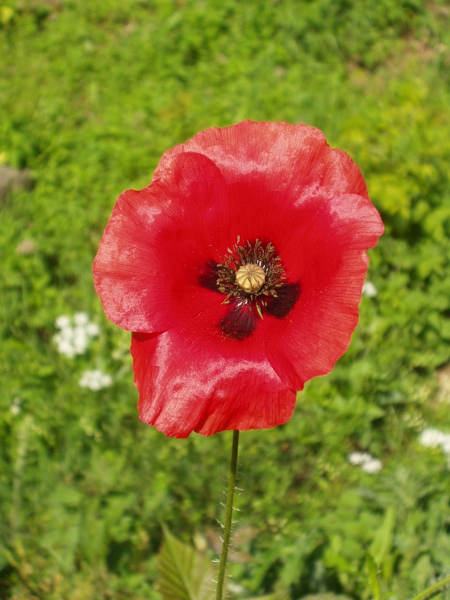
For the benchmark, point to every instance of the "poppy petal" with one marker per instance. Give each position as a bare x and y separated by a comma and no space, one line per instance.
331,266
156,243
279,151
274,171
192,378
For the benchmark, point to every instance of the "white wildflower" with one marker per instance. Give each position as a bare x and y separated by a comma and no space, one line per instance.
73,338
63,322
95,380
366,461
433,438
92,329
65,346
80,340
369,289
81,318
358,458
372,466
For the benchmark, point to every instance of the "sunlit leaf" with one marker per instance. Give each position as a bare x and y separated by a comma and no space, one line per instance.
383,539
184,574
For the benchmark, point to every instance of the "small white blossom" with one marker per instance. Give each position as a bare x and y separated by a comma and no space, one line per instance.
64,346
92,329
369,289
368,463
372,466
63,322
95,380
81,318
73,338
358,458
80,340
433,438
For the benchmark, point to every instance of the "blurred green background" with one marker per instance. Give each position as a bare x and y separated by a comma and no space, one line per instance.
91,94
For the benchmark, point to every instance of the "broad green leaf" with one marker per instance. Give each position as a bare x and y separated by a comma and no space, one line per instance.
184,574
383,539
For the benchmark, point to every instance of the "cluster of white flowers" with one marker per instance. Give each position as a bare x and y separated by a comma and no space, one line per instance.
73,338
368,463
95,380
369,289
433,438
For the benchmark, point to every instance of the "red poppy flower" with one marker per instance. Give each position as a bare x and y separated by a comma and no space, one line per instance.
239,270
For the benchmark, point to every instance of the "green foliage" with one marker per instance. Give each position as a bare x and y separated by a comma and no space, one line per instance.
91,95
184,574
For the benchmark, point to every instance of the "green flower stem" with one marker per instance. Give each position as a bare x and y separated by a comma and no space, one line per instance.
434,589
228,515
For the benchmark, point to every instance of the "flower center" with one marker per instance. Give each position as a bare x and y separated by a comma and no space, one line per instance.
250,278
250,274
254,283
